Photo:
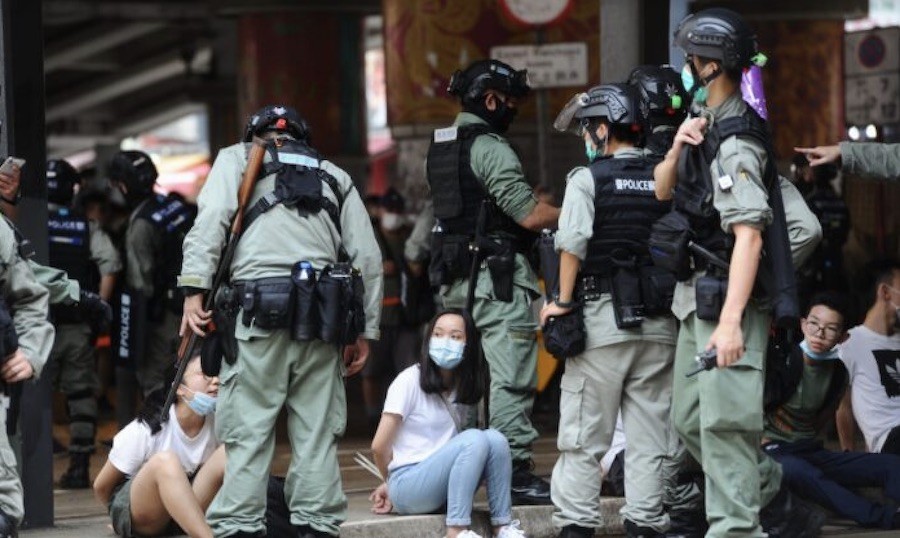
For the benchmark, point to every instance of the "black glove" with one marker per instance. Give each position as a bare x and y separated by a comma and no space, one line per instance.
96,310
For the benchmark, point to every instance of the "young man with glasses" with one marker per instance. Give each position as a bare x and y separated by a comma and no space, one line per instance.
872,358
810,390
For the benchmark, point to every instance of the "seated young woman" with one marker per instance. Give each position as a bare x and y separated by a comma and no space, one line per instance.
161,476
421,445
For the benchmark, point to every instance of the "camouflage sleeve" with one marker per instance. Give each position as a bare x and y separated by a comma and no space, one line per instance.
27,300
494,161
873,159
739,193
576,218
216,204
804,229
418,245
103,252
359,240
62,289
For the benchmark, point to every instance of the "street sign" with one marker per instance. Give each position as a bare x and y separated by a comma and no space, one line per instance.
558,65
536,13
872,77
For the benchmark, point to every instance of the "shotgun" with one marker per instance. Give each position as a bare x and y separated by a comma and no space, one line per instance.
189,340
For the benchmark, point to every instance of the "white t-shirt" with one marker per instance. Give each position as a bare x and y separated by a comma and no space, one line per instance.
427,424
617,445
873,362
134,445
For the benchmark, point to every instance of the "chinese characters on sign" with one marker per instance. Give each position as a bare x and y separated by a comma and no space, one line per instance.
549,66
872,76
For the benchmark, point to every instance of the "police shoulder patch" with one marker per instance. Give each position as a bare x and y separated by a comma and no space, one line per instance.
447,134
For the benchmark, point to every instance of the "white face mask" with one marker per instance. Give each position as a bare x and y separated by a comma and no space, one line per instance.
391,221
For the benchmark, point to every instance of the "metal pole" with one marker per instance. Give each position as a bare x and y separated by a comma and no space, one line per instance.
541,104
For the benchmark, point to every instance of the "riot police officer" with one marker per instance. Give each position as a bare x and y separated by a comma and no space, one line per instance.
82,249
27,301
722,194
667,104
151,303
305,220
607,213
475,176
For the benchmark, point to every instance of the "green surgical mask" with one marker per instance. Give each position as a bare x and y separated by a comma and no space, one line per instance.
697,91
591,152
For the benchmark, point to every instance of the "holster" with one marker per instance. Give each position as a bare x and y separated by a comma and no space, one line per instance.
668,244
339,294
456,258
710,296
225,310
268,303
502,267
306,314
628,305
657,290
564,336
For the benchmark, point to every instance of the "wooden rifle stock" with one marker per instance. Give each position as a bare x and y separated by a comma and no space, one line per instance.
189,339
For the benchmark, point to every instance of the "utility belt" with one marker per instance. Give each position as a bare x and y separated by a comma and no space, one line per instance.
452,259
325,305
636,292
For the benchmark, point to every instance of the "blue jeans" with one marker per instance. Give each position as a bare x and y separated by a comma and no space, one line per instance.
825,477
452,474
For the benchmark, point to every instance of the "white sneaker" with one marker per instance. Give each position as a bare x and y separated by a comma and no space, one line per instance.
468,533
511,531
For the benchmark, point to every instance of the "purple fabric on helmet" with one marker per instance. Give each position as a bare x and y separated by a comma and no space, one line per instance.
752,90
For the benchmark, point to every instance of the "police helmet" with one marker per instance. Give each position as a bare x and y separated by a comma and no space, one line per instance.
617,104
276,118
61,180
471,83
135,170
719,34
663,92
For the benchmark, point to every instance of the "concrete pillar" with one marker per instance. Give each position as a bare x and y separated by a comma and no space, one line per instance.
621,43
22,134
312,61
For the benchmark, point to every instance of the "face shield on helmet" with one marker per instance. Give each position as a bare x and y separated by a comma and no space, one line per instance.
616,103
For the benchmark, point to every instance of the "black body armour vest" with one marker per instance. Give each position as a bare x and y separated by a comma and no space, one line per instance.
69,237
693,195
458,193
298,184
625,207
172,217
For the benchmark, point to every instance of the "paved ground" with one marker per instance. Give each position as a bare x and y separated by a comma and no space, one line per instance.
79,515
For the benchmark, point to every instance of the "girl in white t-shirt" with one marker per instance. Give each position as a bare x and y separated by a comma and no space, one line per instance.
420,445
161,476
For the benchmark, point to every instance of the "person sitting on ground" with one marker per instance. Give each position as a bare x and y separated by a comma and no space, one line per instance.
161,476
872,357
421,447
803,399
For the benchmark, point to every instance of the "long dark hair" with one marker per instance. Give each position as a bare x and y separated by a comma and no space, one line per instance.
151,409
468,376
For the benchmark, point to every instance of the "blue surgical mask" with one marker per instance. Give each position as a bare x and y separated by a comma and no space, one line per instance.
697,91
203,404
829,355
446,353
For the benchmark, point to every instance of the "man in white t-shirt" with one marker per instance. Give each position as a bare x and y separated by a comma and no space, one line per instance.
872,358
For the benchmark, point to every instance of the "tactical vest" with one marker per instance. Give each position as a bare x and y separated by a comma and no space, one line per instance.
172,217
298,185
693,195
458,193
69,237
625,207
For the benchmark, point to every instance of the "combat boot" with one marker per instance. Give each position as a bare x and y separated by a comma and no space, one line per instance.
574,531
633,530
528,488
7,527
687,524
305,531
786,516
77,476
